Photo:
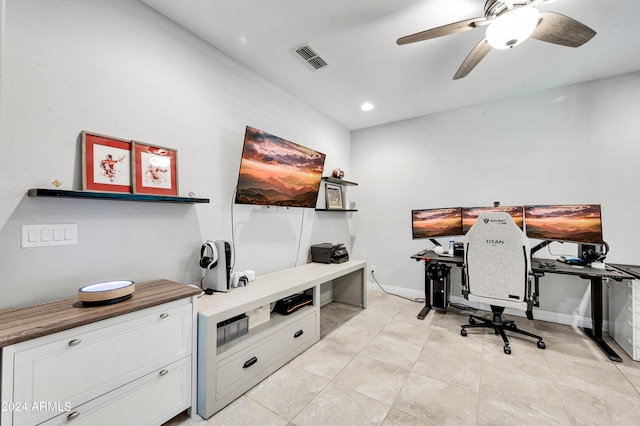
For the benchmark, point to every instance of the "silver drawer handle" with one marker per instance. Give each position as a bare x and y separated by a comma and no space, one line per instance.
165,315
72,416
163,372
75,342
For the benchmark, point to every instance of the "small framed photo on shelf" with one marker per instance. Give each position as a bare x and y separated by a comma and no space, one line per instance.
106,163
333,194
155,169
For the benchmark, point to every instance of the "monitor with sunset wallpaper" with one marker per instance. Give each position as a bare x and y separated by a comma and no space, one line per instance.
429,223
276,172
470,214
579,223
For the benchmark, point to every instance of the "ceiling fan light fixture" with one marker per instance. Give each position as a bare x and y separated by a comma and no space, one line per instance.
513,27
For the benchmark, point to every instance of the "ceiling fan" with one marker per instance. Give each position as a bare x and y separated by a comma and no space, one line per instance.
508,24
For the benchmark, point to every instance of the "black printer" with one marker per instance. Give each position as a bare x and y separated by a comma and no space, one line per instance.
329,253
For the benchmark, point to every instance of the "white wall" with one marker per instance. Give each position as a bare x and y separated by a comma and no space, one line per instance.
120,69
576,144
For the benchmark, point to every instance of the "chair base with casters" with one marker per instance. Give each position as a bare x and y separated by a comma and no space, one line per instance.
499,326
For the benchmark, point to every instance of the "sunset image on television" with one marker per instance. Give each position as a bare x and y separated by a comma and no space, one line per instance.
470,214
579,223
276,172
436,222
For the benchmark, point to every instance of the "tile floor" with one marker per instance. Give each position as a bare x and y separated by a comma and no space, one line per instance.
383,366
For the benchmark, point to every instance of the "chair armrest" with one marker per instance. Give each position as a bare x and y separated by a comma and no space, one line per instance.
533,291
465,284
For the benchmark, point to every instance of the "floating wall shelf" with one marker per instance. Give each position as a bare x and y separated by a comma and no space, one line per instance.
342,182
337,181
42,192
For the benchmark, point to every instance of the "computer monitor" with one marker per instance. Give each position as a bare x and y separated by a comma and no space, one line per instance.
443,222
470,214
578,223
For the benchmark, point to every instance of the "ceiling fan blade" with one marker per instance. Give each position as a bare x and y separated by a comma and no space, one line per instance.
444,30
559,29
473,58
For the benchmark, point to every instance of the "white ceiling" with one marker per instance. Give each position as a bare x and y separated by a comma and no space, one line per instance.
358,39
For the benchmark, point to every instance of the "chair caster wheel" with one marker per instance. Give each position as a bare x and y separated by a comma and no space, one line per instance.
541,344
472,321
507,350
463,332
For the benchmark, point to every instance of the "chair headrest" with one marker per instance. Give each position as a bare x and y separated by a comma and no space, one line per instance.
495,219
497,225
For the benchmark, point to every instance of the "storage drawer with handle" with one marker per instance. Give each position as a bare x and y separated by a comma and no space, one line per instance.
77,365
167,388
237,368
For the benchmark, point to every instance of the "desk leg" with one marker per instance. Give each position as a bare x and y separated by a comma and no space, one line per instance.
423,313
427,295
595,332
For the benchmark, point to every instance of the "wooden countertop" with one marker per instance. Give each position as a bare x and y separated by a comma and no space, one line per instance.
25,323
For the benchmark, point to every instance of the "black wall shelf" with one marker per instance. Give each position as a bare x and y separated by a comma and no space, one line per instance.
342,182
43,192
337,181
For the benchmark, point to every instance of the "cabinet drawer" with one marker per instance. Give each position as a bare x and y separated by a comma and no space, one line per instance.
150,400
235,370
75,366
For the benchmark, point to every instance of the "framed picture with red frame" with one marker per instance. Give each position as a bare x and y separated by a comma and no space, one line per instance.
106,163
155,169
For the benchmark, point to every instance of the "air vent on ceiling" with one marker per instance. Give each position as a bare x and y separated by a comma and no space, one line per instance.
310,56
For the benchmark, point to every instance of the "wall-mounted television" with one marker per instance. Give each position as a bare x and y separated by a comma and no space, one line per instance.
277,172
579,223
470,214
443,222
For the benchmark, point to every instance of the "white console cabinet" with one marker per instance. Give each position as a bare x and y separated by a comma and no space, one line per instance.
227,371
134,366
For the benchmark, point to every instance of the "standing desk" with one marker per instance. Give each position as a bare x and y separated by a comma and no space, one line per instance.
633,270
540,267
596,276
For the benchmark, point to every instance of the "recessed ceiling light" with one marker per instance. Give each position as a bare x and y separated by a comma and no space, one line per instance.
366,106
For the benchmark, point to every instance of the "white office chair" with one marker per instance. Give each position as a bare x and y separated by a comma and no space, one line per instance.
498,271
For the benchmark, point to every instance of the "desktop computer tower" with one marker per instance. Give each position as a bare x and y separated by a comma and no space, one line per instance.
218,278
440,277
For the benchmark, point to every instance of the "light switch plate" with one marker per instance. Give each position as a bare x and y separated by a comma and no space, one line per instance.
53,234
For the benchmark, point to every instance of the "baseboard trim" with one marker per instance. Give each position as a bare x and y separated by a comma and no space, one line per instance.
539,314
396,291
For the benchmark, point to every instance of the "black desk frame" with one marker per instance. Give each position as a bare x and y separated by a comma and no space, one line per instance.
540,267
430,257
596,276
